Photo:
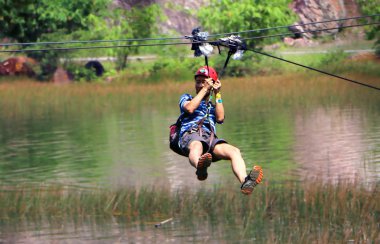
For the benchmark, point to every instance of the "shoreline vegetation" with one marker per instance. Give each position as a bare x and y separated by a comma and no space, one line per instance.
252,65
302,212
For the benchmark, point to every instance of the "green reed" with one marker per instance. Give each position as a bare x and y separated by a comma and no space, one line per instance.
290,212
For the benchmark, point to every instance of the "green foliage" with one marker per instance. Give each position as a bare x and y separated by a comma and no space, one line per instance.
45,20
28,20
121,24
180,69
333,58
371,7
224,16
80,73
48,63
64,20
334,62
183,68
239,68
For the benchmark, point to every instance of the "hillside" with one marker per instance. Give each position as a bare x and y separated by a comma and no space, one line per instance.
181,18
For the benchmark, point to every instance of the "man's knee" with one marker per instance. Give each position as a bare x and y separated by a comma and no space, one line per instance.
227,150
195,145
235,151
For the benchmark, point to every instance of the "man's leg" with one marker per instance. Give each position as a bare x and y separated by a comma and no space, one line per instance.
198,160
196,150
228,152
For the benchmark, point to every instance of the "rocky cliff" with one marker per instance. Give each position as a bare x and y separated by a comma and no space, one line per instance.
321,10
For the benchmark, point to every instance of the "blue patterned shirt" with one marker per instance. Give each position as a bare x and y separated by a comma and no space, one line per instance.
191,120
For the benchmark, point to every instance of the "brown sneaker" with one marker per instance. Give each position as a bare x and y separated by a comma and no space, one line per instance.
253,179
203,163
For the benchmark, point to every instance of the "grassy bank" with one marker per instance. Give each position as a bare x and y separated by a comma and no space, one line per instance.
290,213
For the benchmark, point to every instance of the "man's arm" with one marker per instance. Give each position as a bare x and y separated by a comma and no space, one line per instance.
192,105
219,108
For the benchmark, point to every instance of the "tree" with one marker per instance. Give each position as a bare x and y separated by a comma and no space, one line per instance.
119,23
224,16
371,7
135,23
67,20
28,20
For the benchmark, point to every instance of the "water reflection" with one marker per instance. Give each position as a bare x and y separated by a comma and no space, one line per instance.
332,144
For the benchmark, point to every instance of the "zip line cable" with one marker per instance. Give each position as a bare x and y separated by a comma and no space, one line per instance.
310,23
92,41
310,31
166,44
183,37
314,69
96,47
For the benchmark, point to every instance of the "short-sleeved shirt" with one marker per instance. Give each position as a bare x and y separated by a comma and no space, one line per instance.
190,121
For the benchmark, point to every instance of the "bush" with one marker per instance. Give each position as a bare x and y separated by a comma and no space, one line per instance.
80,72
372,7
248,65
333,58
48,63
180,69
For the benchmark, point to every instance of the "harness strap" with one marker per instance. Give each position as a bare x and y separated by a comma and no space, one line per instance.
200,131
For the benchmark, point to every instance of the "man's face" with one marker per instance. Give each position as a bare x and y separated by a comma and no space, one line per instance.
200,82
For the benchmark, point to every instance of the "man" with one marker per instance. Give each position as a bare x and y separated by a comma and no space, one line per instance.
197,134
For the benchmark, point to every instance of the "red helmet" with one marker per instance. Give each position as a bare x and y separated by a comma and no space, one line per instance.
204,71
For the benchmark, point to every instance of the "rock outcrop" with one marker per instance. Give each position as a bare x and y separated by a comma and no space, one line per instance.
17,66
61,76
321,10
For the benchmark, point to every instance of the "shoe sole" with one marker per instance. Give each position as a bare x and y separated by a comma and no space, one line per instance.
257,176
203,163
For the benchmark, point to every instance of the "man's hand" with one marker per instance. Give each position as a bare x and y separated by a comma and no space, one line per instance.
208,84
217,85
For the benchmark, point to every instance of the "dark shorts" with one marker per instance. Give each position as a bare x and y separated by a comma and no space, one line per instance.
189,137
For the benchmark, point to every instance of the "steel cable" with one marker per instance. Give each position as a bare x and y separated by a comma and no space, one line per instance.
182,37
166,44
314,69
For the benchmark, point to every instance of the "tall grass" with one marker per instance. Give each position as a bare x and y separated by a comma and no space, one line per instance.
290,213
32,99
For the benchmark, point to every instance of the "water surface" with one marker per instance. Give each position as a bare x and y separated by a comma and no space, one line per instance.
118,138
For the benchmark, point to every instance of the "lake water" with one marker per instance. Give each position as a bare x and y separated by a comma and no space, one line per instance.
294,130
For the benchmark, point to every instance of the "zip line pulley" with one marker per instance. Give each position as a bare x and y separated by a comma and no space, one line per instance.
235,44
